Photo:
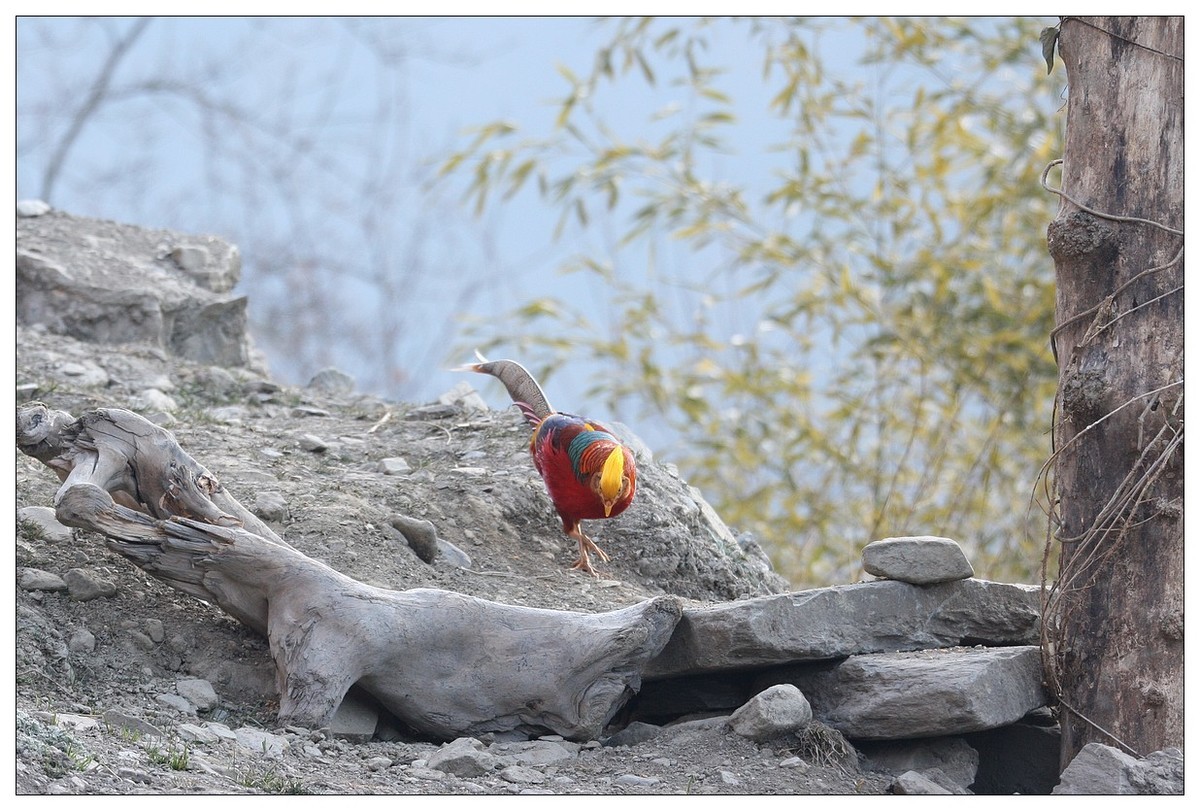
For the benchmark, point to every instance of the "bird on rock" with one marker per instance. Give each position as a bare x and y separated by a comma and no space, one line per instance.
588,472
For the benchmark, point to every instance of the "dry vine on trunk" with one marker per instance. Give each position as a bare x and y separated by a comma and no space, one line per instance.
1113,619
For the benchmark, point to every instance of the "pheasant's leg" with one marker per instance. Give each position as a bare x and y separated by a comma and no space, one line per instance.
584,563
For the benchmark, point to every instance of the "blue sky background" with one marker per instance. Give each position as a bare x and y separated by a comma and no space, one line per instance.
455,73
150,160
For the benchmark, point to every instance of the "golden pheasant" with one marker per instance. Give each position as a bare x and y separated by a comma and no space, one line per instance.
587,471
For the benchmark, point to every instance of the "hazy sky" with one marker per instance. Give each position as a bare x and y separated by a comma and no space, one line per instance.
456,73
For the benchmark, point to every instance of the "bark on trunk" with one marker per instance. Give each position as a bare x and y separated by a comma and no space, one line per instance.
446,664
1114,619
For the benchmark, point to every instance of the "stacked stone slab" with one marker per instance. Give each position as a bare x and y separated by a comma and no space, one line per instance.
926,652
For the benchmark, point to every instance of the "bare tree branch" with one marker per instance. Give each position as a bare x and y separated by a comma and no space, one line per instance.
95,100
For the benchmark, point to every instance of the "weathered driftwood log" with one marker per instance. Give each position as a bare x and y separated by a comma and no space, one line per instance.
444,663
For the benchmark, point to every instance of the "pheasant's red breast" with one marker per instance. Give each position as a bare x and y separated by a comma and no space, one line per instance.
570,453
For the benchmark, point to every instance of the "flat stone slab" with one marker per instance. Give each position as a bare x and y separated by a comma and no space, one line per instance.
891,696
920,560
838,621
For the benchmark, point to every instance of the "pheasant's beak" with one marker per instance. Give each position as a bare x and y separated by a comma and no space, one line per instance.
608,505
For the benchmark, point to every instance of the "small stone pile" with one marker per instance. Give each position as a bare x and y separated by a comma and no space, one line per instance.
935,676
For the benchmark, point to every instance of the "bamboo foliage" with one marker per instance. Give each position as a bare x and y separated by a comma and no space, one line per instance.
854,348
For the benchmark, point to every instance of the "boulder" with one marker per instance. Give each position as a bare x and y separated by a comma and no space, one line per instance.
109,283
890,696
837,621
1101,769
778,710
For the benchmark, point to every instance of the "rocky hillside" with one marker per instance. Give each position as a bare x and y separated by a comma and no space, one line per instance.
125,685
115,316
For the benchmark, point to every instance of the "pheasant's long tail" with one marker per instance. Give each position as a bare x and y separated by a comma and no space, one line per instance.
522,387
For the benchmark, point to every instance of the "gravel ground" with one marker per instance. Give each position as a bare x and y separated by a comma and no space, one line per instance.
101,665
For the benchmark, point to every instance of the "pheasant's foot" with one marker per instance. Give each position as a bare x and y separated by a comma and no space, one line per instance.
586,546
591,547
584,564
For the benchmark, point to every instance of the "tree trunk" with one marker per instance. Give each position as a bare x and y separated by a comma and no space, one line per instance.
446,664
1114,618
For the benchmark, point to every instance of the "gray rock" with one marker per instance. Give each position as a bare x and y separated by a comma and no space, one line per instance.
312,443
198,691
332,381
394,466
521,774
465,396
420,534
176,702
230,415
155,630
213,264
199,734
453,555
540,753
890,696
921,560
130,723
378,764
434,411
945,781
73,722
189,257
778,710
85,585
916,783
221,731
755,554
695,727
109,283
149,400
956,758
309,411
37,580
1100,769
68,785
133,775
32,208
140,640
81,641
270,505
836,621
48,525
636,780
463,757
261,742
83,373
